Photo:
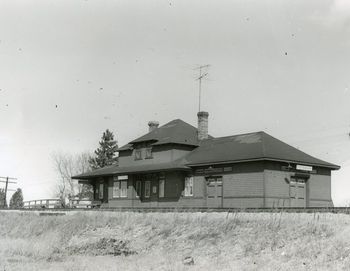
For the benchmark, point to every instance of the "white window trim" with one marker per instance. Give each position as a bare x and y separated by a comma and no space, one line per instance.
188,190
117,186
161,192
123,191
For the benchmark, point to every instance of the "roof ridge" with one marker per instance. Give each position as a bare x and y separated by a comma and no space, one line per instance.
250,133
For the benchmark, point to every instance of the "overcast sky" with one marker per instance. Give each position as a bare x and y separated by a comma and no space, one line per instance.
71,69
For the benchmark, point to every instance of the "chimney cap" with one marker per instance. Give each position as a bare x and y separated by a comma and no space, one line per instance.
153,123
202,114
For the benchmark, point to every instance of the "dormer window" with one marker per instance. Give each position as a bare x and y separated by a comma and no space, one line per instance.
138,154
149,153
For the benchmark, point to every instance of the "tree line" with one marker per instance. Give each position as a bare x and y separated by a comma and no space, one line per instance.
67,165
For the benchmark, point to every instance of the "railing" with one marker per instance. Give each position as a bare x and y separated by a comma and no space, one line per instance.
43,204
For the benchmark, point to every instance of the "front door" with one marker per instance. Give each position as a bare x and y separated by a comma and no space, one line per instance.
297,192
214,192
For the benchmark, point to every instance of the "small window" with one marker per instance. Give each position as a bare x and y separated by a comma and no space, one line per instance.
138,154
188,186
138,189
123,189
161,188
149,153
100,194
147,189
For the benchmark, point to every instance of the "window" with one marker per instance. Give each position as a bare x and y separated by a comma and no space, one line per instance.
188,186
100,191
116,189
123,189
138,189
161,187
147,189
149,153
138,154
120,187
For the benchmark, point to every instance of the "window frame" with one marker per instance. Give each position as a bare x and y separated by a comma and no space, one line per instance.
189,186
147,189
138,188
138,151
148,153
117,186
100,191
123,190
161,188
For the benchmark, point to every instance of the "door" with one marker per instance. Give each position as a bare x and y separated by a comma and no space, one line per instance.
154,191
297,192
151,190
214,192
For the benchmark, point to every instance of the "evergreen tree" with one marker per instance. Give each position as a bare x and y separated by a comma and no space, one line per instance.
2,197
16,200
106,153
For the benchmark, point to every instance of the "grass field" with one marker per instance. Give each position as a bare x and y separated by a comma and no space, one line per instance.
161,241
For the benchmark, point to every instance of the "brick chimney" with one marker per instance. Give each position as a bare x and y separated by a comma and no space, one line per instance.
152,125
202,125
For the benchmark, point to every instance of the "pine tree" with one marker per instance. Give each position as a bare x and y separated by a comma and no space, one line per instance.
106,153
16,200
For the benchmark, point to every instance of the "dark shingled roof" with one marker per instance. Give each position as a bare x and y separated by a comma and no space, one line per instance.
115,169
246,147
230,149
176,131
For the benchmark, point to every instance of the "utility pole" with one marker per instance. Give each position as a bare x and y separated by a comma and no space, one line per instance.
201,76
6,186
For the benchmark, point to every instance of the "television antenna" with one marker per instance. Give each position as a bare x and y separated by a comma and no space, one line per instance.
202,74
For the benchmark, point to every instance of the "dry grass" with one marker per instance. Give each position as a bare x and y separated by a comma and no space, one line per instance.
216,241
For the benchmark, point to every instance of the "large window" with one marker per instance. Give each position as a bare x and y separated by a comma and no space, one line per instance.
147,189
188,186
120,187
161,187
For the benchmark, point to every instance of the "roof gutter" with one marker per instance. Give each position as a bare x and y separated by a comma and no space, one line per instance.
335,167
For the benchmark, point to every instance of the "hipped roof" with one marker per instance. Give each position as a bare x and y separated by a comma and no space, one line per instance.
246,147
223,150
174,132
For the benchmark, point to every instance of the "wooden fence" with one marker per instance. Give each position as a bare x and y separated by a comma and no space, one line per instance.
43,204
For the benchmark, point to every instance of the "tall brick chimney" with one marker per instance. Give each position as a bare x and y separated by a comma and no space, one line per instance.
152,125
202,125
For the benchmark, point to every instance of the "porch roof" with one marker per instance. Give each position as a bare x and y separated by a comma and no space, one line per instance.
117,170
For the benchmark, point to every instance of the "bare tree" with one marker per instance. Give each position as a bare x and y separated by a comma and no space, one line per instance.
66,166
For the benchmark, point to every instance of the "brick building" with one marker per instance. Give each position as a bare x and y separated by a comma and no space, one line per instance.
178,165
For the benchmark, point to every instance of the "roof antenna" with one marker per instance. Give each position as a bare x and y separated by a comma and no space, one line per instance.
201,76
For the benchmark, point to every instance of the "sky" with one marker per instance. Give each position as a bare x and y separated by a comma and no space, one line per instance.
71,69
